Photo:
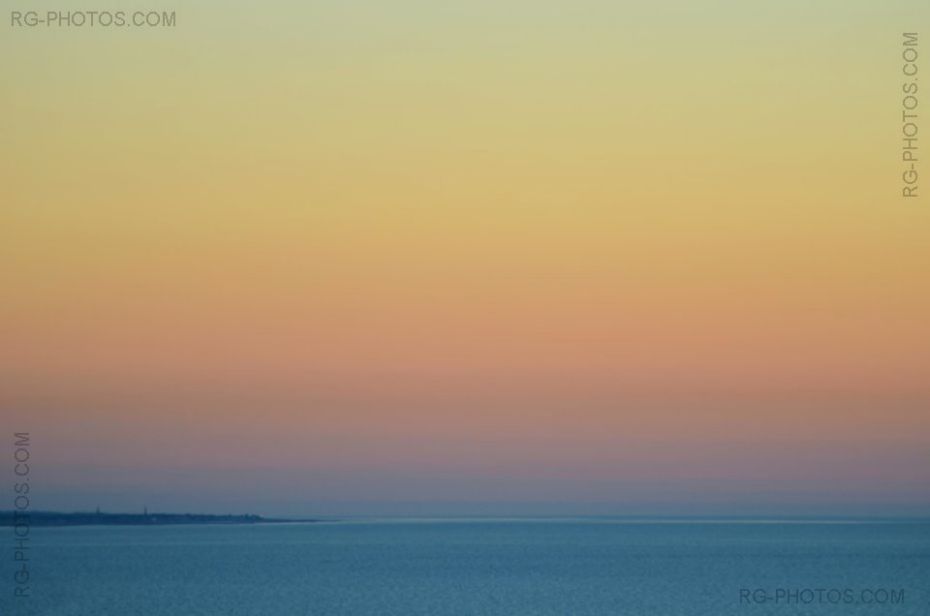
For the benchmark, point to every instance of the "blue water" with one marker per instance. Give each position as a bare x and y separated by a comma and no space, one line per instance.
500,568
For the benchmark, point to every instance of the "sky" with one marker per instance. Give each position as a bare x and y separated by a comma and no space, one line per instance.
510,257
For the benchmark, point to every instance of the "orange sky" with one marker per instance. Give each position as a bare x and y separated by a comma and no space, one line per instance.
503,258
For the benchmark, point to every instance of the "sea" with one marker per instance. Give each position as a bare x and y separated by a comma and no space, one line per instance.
478,567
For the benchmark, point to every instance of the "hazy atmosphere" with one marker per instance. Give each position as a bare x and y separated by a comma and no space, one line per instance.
415,258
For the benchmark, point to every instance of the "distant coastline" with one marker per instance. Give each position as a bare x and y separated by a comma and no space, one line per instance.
99,518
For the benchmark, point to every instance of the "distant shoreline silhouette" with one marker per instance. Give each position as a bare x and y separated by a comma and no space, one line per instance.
99,518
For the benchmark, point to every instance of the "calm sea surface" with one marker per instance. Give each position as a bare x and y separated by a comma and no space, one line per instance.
500,568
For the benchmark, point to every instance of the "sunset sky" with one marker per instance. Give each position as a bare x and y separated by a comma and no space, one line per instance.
511,257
